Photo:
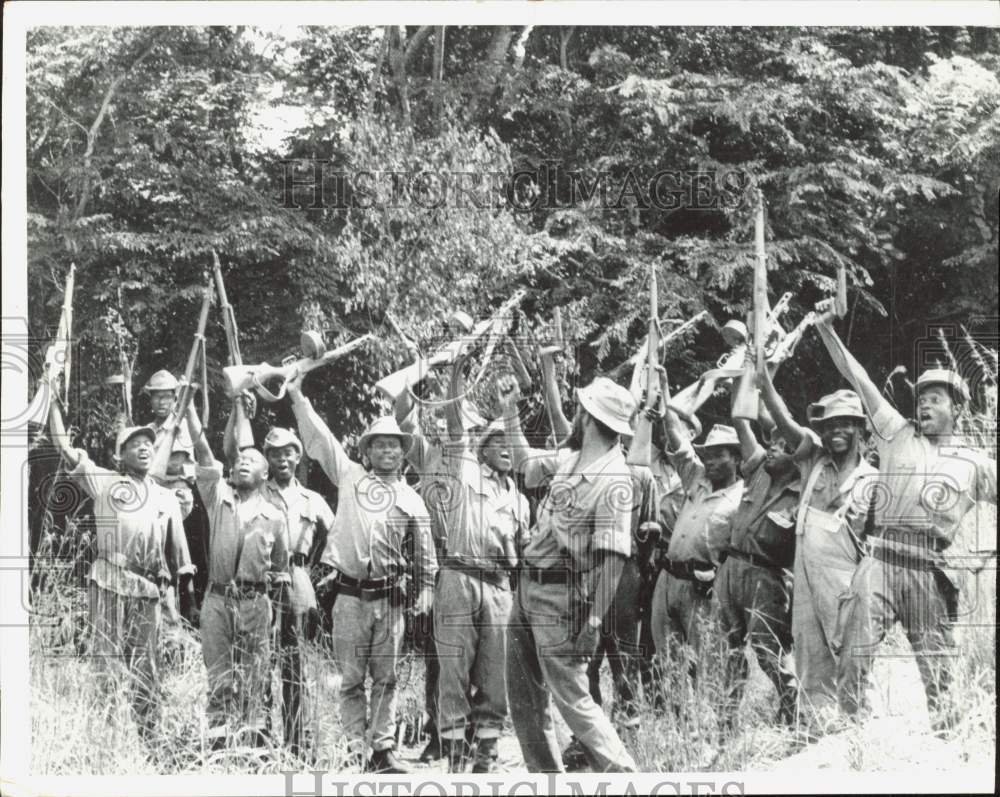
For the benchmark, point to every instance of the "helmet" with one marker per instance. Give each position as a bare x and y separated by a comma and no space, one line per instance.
161,380
945,377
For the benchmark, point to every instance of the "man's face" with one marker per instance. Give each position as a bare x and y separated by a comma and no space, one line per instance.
720,464
935,411
778,460
178,459
496,453
283,462
162,402
441,429
385,452
250,469
137,454
839,435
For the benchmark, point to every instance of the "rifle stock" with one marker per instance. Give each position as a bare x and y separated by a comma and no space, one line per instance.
641,450
251,377
746,402
161,455
57,357
241,432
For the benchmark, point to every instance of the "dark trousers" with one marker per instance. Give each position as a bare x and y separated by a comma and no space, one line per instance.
288,655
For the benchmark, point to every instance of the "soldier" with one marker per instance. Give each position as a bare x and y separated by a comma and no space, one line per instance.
569,577
486,518
830,518
309,521
162,391
376,512
750,586
681,598
928,480
139,548
248,585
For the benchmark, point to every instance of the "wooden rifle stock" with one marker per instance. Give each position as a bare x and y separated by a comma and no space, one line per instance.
57,357
251,377
171,427
641,450
241,433
746,402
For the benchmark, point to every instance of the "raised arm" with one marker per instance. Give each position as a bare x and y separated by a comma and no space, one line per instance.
509,392
882,414
316,436
202,453
748,442
787,427
561,426
456,389
60,439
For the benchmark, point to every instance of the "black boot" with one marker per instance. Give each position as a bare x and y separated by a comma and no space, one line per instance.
384,762
574,758
486,756
432,752
457,752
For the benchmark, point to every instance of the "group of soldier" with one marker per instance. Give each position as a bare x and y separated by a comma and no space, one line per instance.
525,599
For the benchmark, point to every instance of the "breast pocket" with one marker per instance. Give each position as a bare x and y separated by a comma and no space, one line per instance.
261,540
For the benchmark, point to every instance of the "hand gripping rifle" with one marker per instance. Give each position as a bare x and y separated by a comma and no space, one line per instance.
57,358
252,377
641,450
746,403
241,435
172,426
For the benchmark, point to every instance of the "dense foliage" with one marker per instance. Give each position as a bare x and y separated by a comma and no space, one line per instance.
147,148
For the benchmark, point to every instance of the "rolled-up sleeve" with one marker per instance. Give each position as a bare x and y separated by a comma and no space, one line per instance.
538,465
91,477
613,516
208,480
688,465
320,443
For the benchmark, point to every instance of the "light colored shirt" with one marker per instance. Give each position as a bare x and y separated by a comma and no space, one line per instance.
485,509
669,489
305,512
928,487
375,518
139,530
703,525
260,523
584,511
181,442
832,489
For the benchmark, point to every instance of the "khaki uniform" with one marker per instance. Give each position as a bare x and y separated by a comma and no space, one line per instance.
829,522
140,542
915,571
750,586
248,551
584,512
473,598
306,514
700,534
374,519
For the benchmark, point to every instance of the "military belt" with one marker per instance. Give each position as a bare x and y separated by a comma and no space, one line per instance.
366,589
685,570
243,590
494,576
548,575
756,561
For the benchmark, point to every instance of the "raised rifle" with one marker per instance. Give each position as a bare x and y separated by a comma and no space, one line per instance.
396,383
746,402
172,426
636,359
641,450
57,358
252,377
242,434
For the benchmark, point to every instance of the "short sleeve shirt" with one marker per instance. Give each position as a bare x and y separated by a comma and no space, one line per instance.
261,524
584,511
305,512
764,524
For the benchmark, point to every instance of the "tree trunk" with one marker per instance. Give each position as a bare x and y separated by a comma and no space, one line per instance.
438,71
565,34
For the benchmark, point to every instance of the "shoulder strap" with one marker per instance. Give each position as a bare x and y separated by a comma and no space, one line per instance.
807,492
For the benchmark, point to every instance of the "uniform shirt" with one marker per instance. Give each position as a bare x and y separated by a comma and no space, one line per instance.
831,491
703,525
436,486
374,516
305,512
181,489
257,520
764,523
138,527
583,512
669,488
927,486
182,442
486,509
646,501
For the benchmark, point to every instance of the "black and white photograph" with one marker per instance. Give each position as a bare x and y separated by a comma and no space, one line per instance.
525,398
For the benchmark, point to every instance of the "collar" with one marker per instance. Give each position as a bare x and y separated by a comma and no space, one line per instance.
863,468
259,502
613,457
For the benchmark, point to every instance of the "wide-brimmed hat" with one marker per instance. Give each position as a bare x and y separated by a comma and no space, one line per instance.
719,436
385,426
609,403
128,432
839,404
495,428
279,437
161,380
945,377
